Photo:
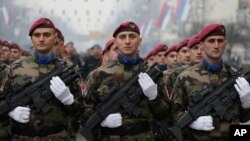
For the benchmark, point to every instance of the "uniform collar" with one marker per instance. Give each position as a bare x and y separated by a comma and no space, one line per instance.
128,60
212,68
43,59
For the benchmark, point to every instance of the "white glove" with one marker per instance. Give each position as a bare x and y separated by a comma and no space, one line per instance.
112,121
20,114
148,86
243,89
204,123
60,91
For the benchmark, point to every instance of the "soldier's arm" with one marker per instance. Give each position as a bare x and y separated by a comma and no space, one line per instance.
76,108
91,96
179,101
4,82
159,106
169,83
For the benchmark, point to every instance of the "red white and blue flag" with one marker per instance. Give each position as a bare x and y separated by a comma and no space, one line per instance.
182,9
164,16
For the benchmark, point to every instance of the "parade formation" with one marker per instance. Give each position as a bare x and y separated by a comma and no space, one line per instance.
180,92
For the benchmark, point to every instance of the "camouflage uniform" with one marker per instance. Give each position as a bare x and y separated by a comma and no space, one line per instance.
3,120
170,77
195,79
57,119
137,128
3,72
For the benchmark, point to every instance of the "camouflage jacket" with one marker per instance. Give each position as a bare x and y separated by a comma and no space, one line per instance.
106,77
195,79
28,68
170,78
3,73
3,120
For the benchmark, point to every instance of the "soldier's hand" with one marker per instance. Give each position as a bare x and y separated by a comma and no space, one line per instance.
204,123
243,89
20,114
148,86
112,121
61,91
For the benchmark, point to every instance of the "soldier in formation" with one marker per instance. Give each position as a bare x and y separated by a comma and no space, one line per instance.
120,125
211,72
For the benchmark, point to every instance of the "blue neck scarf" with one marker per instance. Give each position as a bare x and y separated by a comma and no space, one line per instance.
212,68
128,60
162,67
44,59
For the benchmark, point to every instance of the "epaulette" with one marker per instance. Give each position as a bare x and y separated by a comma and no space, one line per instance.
111,64
25,59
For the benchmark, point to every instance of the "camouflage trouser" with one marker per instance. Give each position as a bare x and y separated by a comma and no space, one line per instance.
61,136
146,136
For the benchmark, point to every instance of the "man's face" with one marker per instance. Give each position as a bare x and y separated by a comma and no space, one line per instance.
15,54
69,49
171,59
112,53
196,52
214,47
151,60
183,56
58,47
5,53
160,58
65,56
44,40
96,52
128,43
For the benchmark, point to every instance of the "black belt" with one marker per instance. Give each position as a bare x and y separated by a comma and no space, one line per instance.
40,132
128,130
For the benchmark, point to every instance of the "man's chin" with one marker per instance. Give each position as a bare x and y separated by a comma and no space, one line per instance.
43,51
216,57
128,54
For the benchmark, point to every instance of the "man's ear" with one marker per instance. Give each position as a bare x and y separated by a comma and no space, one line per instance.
139,45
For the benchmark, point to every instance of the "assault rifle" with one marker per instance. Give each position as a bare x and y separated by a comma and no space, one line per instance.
214,103
37,94
121,98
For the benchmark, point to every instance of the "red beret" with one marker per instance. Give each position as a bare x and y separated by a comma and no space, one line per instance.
194,40
182,44
171,49
126,26
149,55
59,34
15,46
108,45
41,22
26,53
212,29
6,44
158,48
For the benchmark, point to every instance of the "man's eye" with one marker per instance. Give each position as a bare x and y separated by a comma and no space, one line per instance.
46,34
36,35
211,40
122,37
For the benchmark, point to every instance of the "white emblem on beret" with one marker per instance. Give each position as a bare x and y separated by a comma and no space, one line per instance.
47,21
132,25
